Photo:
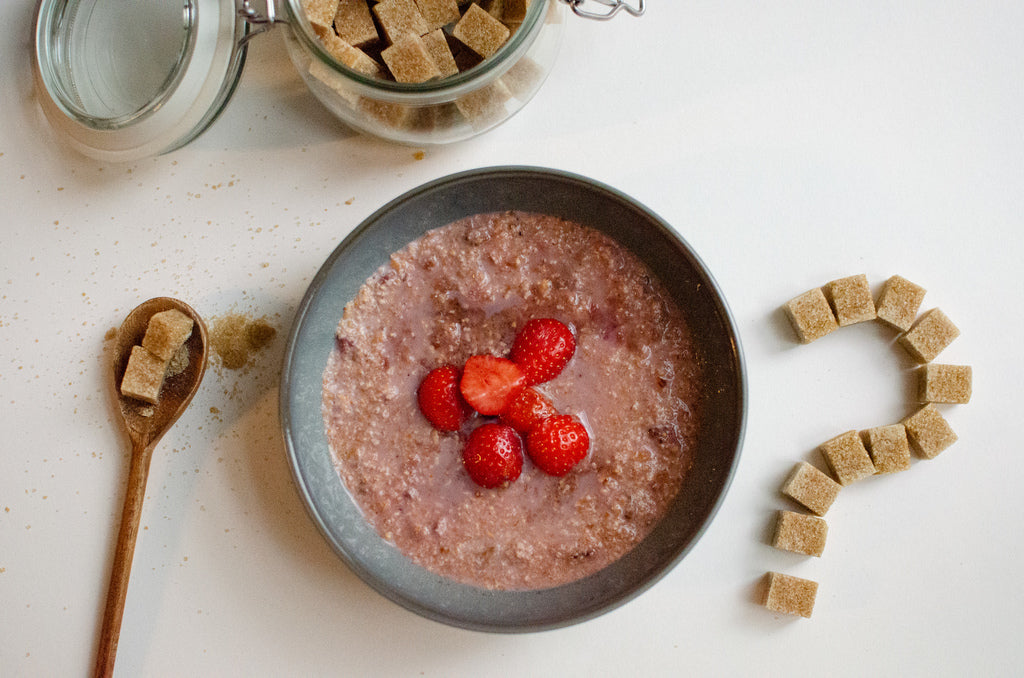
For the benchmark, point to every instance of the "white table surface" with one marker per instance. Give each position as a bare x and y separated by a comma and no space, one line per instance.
790,143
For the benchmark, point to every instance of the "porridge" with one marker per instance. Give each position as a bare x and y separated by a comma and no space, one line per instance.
466,290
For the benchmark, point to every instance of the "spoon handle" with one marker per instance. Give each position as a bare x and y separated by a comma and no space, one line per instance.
110,632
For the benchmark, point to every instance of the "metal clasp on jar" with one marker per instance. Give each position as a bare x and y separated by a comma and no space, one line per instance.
611,8
259,22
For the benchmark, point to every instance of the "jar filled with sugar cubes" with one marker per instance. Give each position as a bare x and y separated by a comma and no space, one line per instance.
490,66
122,81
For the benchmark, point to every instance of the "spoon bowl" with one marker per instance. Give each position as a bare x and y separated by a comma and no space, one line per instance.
145,425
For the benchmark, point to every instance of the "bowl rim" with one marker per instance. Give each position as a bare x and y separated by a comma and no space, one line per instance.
448,601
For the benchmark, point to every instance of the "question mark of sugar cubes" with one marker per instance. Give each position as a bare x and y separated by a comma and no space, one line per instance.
854,455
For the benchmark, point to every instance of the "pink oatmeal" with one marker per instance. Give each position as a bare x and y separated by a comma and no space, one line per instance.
466,289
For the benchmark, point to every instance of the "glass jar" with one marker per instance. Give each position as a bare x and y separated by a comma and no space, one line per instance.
126,80
441,110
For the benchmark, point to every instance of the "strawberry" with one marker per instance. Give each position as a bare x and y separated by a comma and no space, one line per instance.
528,408
493,455
542,349
557,444
440,400
488,383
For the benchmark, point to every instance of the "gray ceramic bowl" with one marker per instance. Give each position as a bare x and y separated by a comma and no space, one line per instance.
438,203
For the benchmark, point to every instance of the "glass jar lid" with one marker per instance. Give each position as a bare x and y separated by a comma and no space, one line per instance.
126,80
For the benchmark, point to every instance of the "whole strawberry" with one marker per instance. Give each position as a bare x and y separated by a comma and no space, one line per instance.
440,400
528,408
488,383
557,444
542,349
493,455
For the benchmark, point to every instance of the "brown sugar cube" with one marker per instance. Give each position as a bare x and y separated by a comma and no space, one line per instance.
800,533
811,488
480,31
524,77
440,52
399,17
438,13
332,79
166,332
441,116
851,299
888,447
409,60
811,315
352,56
790,595
320,14
353,23
899,302
514,11
484,106
495,8
386,113
143,376
944,383
929,432
929,336
847,458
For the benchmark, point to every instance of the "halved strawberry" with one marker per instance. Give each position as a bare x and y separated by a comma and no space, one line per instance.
440,400
488,383
542,349
493,455
527,409
557,444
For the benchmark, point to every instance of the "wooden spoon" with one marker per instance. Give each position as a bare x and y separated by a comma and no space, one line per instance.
146,424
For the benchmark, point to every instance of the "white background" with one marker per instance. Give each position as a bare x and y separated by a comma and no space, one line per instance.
791,143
